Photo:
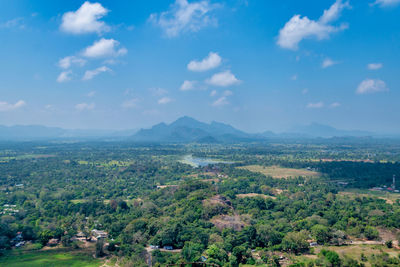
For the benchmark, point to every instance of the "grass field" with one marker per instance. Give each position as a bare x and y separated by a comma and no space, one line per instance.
280,172
355,252
390,198
47,258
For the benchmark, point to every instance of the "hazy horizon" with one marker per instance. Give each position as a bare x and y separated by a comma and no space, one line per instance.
256,65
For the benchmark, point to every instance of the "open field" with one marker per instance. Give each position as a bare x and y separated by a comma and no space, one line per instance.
53,258
390,198
280,172
355,251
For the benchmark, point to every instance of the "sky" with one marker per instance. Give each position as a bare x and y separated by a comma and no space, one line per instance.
257,65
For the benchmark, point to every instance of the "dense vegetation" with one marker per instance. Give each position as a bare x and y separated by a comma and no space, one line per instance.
143,195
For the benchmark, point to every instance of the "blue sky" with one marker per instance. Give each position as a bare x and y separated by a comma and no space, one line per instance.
258,65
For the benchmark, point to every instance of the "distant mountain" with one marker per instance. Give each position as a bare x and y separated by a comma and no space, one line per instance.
320,130
39,132
183,130
186,129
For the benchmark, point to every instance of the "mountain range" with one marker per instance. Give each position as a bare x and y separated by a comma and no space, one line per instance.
39,132
183,130
187,129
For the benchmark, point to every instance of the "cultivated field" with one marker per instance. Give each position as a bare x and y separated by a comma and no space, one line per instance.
280,172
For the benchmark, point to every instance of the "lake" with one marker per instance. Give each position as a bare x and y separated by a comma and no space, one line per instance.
201,162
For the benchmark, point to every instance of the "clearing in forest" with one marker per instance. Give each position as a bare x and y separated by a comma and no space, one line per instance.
390,198
355,251
54,257
280,172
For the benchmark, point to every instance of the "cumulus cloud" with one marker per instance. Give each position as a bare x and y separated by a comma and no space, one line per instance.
188,85
67,62
213,93
223,79
184,17
64,76
374,66
212,61
90,74
5,106
386,3
84,106
328,63
104,48
299,28
315,105
85,20
369,86
164,100
222,101
131,103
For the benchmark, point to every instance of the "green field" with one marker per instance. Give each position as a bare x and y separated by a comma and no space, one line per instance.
53,258
280,172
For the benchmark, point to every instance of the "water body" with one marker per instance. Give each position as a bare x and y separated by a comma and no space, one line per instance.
201,162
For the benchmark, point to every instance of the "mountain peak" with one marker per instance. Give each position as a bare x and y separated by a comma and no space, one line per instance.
188,129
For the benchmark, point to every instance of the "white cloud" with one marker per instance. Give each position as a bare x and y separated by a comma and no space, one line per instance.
164,100
213,93
104,48
374,66
84,106
5,106
67,62
85,20
212,61
315,105
225,78
90,74
305,91
335,105
294,77
328,63
386,3
299,28
188,85
64,76
49,107
184,17
91,94
369,86
227,93
158,91
131,103
222,101
13,23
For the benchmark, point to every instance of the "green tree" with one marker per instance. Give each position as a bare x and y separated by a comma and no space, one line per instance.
192,251
332,257
371,233
321,233
295,242
99,247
